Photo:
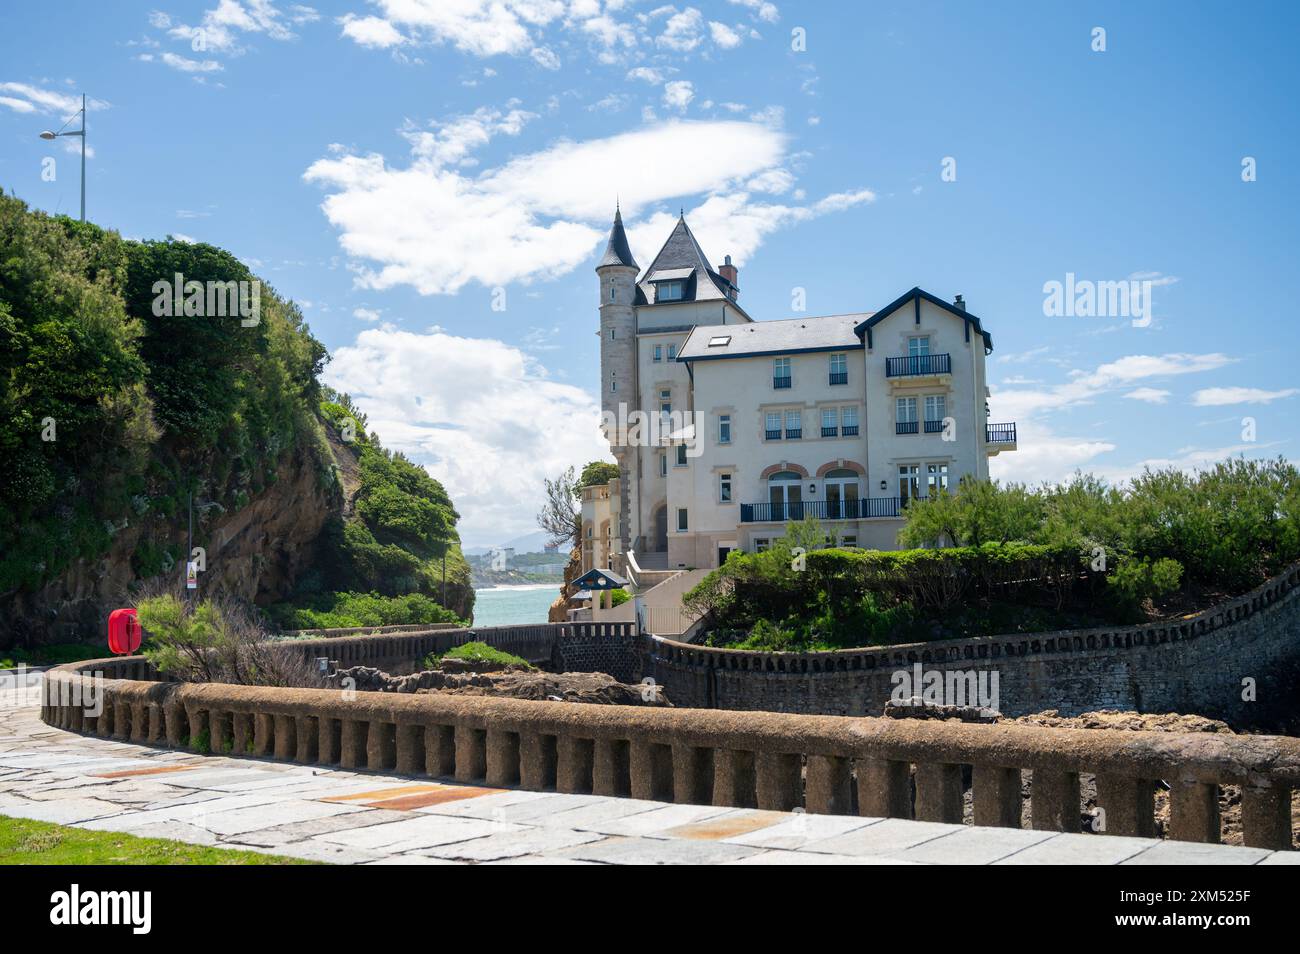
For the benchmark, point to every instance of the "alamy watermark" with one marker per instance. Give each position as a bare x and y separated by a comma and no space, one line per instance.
1082,298
637,428
211,299
945,687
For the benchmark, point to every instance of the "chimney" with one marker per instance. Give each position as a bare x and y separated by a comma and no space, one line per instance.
959,303
728,271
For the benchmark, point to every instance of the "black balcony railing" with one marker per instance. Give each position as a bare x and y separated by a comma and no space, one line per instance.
933,427
850,430
773,435
905,427
839,377
780,382
861,509
914,364
830,432
793,435
1000,433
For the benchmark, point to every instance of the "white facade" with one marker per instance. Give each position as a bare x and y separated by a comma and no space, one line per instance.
841,417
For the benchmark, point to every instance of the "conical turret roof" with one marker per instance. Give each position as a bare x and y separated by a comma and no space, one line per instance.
617,251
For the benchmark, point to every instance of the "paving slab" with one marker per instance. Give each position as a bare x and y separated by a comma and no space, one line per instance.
1074,848
66,812
1191,853
888,836
974,846
302,830
800,830
657,851
514,844
257,817
780,856
422,831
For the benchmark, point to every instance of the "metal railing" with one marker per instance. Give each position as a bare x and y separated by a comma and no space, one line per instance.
781,382
830,432
905,427
933,427
861,509
914,364
1000,433
839,377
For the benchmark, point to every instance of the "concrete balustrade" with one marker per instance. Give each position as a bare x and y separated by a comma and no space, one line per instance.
825,764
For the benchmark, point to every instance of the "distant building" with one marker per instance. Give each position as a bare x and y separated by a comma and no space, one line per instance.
846,418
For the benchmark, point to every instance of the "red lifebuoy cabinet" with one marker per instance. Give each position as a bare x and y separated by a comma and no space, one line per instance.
123,632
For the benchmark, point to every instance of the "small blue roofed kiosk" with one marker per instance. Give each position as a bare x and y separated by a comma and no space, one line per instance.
595,583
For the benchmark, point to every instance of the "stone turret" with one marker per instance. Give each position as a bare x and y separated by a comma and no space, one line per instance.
618,385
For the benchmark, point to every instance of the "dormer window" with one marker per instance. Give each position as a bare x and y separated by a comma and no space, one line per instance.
670,291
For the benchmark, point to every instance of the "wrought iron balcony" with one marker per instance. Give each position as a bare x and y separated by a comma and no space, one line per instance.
933,427
906,427
850,430
830,431
918,364
773,435
839,377
782,381
862,509
793,435
1000,433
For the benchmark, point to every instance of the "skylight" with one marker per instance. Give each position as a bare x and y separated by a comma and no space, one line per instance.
719,341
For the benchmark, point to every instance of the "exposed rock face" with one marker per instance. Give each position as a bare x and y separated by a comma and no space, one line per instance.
559,611
514,682
915,708
255,553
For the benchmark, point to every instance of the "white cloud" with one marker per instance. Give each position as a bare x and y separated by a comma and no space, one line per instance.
371,32
1217,397
25,98
436,227
647,74
1149,395
490,424
471,26
366,314
678,94
683,31
187,65
545,58
761,8
221,29
723,35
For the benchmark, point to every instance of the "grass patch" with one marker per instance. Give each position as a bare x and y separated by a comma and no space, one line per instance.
26,842
52,655
478,652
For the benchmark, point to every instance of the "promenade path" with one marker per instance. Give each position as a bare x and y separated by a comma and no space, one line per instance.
349,817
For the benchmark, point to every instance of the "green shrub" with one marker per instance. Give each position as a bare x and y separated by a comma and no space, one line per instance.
477,652
1135,581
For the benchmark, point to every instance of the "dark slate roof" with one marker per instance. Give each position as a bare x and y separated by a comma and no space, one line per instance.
791,336
600,579
918,295
682,251
617,252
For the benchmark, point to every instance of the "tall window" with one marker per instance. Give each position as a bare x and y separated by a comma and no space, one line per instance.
839,369
663,464
785,495
780,372
936,407
842,494
724,488
936,479
849,421
724,429
909,483
830,422
672,352
793,425
681,455
681,519
659,352
611,291
905,415
666,401
613,382
918,346
772,426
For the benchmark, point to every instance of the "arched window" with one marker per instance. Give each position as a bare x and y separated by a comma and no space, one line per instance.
841,494
785,495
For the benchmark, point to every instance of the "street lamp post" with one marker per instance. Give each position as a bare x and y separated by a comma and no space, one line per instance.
76,132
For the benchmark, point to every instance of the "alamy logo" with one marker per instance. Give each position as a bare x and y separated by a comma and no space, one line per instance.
1082,298
951,687
210,299
635,428
75,907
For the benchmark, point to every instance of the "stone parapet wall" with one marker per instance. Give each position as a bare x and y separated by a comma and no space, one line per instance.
777,761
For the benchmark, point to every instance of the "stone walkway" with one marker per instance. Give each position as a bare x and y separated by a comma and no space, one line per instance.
364,818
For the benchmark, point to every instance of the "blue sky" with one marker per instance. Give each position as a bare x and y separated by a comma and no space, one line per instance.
398,167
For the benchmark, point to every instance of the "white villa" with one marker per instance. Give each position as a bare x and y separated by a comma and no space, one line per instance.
842,417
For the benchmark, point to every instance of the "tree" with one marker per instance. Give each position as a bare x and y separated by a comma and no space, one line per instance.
560,515
597,472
